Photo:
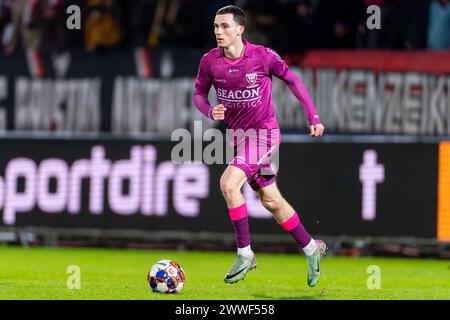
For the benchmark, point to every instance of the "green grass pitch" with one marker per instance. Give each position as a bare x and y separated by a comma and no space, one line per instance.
40,273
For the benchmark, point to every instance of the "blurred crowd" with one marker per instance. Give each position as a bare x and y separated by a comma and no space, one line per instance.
285,25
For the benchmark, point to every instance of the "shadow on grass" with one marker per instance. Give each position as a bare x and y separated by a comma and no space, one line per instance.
7,283
317,295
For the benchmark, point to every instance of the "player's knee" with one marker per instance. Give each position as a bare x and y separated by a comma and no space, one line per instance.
228,188
272,204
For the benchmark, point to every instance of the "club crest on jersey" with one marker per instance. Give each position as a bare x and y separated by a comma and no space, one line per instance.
251,78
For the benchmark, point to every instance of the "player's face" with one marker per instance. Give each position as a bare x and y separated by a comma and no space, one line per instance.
227,31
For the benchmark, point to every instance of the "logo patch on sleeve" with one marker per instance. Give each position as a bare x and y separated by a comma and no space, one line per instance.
275,54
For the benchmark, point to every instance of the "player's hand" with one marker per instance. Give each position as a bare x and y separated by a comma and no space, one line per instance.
316,130
218,112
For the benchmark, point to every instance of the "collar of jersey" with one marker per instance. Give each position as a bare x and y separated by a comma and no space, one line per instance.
247,52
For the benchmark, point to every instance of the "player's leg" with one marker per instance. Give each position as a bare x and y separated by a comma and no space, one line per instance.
288,219
230,184
285,215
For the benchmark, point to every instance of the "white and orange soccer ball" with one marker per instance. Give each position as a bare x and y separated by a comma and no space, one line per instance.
166,276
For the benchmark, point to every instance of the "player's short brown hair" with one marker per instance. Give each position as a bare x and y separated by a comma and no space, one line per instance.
238,14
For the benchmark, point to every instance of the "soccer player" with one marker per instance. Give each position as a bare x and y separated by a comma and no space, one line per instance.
241,74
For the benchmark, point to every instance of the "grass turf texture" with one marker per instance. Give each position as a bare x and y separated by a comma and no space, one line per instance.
40,273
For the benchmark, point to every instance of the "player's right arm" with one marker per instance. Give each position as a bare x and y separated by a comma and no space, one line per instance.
203,83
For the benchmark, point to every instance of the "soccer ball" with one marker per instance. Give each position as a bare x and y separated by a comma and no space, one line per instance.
166,276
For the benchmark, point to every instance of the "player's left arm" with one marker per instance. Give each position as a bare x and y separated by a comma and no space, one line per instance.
280,69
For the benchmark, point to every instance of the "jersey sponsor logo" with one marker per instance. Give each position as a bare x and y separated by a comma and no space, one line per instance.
246,94
251,78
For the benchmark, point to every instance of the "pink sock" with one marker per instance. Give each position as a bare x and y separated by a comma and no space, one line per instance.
297,230
239,219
